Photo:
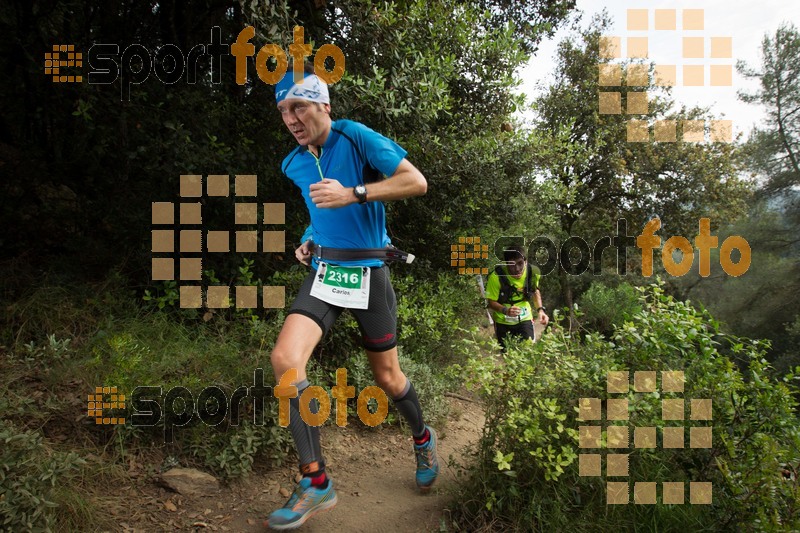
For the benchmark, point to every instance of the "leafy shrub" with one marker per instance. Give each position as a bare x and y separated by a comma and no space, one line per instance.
156,350
527,472
430,313
605,307
159,349
44,354
231,454
29,476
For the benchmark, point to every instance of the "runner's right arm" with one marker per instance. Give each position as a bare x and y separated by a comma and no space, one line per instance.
303,253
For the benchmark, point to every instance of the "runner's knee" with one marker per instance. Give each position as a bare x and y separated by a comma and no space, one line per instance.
283,359
392,381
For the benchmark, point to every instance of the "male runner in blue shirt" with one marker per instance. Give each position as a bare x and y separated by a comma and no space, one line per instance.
338,167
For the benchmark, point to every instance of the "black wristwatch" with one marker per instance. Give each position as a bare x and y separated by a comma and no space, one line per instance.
541,309
361,193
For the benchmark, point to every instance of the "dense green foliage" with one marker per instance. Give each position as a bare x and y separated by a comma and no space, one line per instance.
28,478
527,476
761,304
604,307
81,163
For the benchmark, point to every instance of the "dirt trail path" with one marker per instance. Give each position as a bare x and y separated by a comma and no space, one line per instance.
373,472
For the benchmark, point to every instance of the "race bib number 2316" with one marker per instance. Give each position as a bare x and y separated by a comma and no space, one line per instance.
342,286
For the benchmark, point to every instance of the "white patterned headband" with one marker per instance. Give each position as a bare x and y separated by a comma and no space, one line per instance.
312,89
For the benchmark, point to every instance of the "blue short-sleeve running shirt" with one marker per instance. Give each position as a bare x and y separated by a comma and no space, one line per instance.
347,155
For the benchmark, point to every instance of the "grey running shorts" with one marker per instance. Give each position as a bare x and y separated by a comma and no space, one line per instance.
378,323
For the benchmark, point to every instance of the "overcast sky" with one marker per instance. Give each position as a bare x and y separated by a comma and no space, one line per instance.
745,22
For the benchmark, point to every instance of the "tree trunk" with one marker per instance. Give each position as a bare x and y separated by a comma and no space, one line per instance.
567,221
566,292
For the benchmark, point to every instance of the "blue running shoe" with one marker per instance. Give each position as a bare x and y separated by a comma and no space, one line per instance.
427,462
302,505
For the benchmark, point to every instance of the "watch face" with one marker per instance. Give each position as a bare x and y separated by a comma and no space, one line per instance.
361,193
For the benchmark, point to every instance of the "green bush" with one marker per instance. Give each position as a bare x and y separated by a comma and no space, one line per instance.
430,387
604,307
430,313
231,452
158,350
168,349
527,472
30,475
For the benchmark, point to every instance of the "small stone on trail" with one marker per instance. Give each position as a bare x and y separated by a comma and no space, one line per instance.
190,482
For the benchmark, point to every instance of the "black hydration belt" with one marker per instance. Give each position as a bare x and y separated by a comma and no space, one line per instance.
351,254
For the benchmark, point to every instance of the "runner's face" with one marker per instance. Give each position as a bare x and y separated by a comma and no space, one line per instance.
309,122
517,267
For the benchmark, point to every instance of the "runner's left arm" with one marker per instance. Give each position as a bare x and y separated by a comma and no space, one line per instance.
537,302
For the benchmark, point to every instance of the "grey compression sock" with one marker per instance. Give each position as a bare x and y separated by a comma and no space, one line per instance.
408,405
306,438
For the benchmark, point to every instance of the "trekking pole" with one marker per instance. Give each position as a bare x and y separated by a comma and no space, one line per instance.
483,295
